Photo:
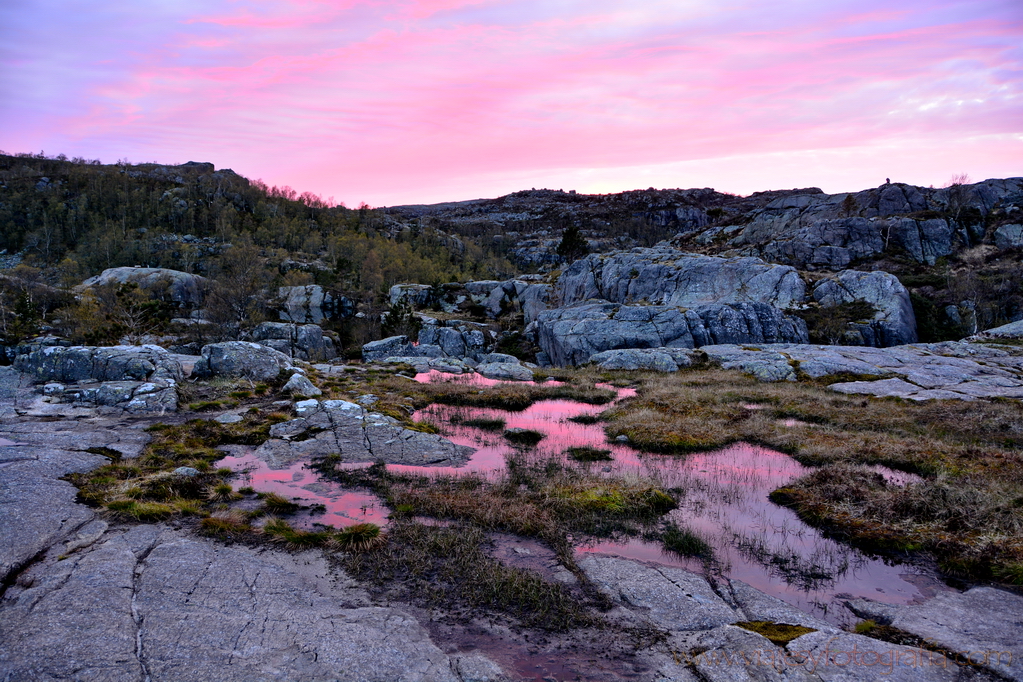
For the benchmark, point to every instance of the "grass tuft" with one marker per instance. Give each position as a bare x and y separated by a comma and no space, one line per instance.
588,454
525,437
685,542
361,537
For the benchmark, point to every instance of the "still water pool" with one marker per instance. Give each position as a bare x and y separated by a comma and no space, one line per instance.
725,501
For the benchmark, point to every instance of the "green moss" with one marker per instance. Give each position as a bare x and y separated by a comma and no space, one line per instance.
778,633
282,531
142,511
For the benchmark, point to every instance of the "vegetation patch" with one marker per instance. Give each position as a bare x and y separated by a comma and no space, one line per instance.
451,568
589,454
778,633
173,476
277,504
485,423
966,511
545,500
526,437
685,542
511,397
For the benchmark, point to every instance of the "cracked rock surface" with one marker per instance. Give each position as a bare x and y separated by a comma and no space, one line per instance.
358,435
83,598
922,371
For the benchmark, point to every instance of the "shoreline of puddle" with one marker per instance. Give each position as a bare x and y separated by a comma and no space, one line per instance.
725,501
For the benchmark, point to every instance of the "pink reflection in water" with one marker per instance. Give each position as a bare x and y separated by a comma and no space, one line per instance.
726,502
296,482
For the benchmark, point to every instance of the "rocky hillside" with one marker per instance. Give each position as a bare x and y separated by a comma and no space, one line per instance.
954,249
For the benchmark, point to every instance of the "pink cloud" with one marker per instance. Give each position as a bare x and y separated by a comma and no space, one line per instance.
395,102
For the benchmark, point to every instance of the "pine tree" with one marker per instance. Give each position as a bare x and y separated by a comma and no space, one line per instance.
573,246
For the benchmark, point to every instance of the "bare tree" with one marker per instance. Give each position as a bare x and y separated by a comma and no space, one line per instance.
956,195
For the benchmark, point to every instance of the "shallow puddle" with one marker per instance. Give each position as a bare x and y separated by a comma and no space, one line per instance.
725,501
297,482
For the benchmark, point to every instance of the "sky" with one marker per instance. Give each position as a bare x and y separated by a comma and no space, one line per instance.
419,101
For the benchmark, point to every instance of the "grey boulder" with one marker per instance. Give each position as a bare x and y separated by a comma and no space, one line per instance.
505,371
300,385
180,287
241,359
384,348
358,435
894,323
1009,236
312,304
656,359
301,341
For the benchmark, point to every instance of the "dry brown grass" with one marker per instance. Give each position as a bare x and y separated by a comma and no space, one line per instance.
507,396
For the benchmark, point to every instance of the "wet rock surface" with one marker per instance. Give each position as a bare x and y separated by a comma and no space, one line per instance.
982,624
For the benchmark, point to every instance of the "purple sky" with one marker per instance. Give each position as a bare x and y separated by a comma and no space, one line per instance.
437,100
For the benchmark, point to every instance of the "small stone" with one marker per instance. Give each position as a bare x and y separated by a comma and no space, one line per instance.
300,385
622,439
228,418
186,471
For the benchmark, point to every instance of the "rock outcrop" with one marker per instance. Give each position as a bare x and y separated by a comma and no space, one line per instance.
241,359
300,341
451,339
180,287
982,623
357,435
894,323
99,363
313,304
656,359
814,230
665,276
570,336
924,371
131,378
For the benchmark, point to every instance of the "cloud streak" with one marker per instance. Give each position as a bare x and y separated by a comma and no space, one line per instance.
400,102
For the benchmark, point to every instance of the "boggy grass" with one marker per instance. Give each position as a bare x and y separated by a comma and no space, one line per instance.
451,567
512,397
542,499
147,489
972,523
968,510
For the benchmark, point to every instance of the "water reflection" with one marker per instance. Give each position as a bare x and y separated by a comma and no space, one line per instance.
340,507
724,500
